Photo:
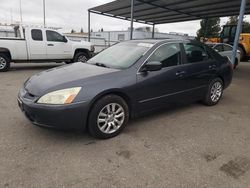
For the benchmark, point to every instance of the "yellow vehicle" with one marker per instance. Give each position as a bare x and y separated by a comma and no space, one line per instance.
213,40
228,35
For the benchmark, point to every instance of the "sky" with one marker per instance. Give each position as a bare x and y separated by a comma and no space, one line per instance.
73,14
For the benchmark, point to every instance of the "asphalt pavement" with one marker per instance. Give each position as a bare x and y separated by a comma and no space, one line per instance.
192,146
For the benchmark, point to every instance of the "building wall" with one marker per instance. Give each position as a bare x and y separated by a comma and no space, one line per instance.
116,36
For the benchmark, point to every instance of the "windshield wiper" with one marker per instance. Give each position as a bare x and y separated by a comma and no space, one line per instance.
101,65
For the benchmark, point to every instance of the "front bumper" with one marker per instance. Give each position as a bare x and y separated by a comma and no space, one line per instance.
69,117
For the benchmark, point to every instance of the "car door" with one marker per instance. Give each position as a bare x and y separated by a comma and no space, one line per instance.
57,46
201,68
158,88
227,51
36,44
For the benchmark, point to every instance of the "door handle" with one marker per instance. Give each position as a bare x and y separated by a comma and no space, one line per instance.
50,44
180,73
212,67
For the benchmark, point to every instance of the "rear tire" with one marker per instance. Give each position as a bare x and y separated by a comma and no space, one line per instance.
108,117
81,57
214,92
4,62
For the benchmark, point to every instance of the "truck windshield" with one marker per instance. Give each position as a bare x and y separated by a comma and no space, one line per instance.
122,55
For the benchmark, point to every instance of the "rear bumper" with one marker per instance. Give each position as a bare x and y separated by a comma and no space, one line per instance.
69,117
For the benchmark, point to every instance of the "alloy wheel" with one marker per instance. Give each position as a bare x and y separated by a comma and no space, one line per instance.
216,91
111,118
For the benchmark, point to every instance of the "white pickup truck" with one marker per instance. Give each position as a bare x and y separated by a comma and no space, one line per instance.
41,45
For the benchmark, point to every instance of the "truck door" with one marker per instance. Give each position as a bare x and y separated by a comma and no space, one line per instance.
36,44
58,47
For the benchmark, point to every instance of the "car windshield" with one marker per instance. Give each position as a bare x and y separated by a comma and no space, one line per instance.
122,55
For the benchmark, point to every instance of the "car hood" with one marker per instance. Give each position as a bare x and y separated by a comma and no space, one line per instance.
63,77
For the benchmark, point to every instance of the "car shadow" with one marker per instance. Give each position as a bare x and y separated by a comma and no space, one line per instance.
139,123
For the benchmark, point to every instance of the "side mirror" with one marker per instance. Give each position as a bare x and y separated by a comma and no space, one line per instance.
65,39
152,66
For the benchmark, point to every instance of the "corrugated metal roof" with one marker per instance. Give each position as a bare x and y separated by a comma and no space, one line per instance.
170,11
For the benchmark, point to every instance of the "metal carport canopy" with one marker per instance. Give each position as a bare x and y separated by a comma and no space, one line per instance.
170,11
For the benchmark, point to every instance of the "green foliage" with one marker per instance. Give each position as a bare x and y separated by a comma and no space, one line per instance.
233,20
209,28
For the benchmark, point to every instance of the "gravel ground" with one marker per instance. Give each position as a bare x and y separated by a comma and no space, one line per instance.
193,146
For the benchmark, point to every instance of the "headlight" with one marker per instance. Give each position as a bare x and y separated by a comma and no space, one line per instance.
65,96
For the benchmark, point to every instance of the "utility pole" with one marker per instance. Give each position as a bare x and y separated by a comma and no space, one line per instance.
21,13
11,16
44,14
132,20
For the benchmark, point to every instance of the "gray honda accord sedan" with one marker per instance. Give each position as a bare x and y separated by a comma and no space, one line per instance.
126,80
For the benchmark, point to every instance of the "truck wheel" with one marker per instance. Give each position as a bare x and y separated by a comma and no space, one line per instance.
81,57
242,53
4,63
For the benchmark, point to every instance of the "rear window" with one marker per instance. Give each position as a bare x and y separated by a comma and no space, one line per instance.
37,34
228,48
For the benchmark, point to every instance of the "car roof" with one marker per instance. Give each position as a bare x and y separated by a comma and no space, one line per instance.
154,41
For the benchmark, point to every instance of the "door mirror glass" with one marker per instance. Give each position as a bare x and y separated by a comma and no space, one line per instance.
152,66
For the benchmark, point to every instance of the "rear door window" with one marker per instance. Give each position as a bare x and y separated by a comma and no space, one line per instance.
195,53
227,48
37,34
219,48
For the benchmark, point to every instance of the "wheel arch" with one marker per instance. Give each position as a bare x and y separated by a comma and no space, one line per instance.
6,52
117,92
82,50
223,79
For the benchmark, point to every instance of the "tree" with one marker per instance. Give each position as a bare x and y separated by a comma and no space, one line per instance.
233,20
81,30
73,31
209,28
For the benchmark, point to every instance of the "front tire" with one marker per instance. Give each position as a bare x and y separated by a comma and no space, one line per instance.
81,57
108,117
214,92
4,63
